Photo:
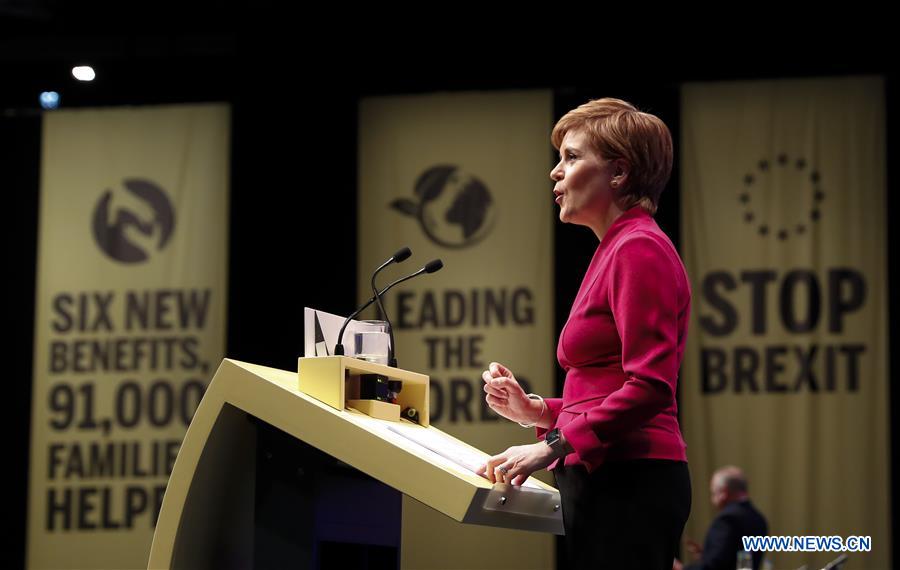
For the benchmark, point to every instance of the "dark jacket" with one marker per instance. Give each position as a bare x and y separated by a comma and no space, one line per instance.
723,540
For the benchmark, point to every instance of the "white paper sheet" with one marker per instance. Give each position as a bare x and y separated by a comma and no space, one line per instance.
444,449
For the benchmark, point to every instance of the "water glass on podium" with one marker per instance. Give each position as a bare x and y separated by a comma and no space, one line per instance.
371,342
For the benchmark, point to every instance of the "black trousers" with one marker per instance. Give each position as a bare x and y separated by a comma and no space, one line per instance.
626,514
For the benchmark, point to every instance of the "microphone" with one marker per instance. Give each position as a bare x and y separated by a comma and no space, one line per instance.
430,267
401,255
837,563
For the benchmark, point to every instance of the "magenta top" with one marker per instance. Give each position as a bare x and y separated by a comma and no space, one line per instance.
622,347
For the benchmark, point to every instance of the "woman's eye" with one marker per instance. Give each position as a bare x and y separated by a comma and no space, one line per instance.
570,156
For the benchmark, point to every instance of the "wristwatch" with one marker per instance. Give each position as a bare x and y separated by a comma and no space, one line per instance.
553,440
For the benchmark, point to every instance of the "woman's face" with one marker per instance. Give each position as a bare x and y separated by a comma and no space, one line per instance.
582,177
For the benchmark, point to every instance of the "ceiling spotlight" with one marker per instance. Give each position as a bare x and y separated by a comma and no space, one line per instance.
83,73
49,100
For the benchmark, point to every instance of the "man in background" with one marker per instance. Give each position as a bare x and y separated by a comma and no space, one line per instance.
737,518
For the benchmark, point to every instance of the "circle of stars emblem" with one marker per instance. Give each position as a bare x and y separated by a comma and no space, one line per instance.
763,167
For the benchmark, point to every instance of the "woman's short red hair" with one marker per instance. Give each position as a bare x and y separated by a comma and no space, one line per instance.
617,130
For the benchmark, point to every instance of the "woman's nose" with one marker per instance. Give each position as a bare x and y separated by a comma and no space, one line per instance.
555,173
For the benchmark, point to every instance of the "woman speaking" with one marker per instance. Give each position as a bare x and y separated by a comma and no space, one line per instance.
612,440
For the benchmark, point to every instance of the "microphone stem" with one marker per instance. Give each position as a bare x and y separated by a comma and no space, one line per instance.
391,360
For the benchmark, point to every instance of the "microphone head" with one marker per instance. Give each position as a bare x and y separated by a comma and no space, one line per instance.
433,265
402,255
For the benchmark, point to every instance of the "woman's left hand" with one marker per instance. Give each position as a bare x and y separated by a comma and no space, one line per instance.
518,462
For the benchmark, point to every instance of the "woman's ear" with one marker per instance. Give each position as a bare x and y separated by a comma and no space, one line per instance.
621,169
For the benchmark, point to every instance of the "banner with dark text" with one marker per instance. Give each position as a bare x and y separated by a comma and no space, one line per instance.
464,177
130,321
786,369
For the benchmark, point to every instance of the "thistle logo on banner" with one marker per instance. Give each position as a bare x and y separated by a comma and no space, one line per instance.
454,208
791,176
131,224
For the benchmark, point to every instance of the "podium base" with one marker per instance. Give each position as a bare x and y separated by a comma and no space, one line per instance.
313,511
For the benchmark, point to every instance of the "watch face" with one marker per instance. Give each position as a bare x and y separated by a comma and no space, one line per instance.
552,436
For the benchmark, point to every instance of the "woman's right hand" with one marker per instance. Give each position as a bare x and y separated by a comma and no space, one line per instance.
506,397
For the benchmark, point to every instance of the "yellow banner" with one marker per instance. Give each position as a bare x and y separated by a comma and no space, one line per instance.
785,374
130,321
465,178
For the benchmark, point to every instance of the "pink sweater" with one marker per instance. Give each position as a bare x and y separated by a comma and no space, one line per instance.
622,347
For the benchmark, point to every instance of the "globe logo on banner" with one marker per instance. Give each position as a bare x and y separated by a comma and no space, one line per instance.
454,208
792,175
132,222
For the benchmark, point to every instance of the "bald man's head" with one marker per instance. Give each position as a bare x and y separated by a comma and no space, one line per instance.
728,484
